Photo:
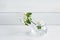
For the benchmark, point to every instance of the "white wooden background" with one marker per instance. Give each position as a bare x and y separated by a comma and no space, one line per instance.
14,18
30,5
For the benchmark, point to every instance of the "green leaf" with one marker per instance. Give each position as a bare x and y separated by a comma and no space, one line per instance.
39,27
28,18
28,14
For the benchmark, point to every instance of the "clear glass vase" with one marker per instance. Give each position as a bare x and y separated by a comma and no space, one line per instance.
33,31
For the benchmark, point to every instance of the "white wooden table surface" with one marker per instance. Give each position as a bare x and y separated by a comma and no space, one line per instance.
16,32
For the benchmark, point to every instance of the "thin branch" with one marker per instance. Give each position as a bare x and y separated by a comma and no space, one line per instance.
33,22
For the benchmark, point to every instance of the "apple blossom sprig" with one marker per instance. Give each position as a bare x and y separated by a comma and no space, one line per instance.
28,20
